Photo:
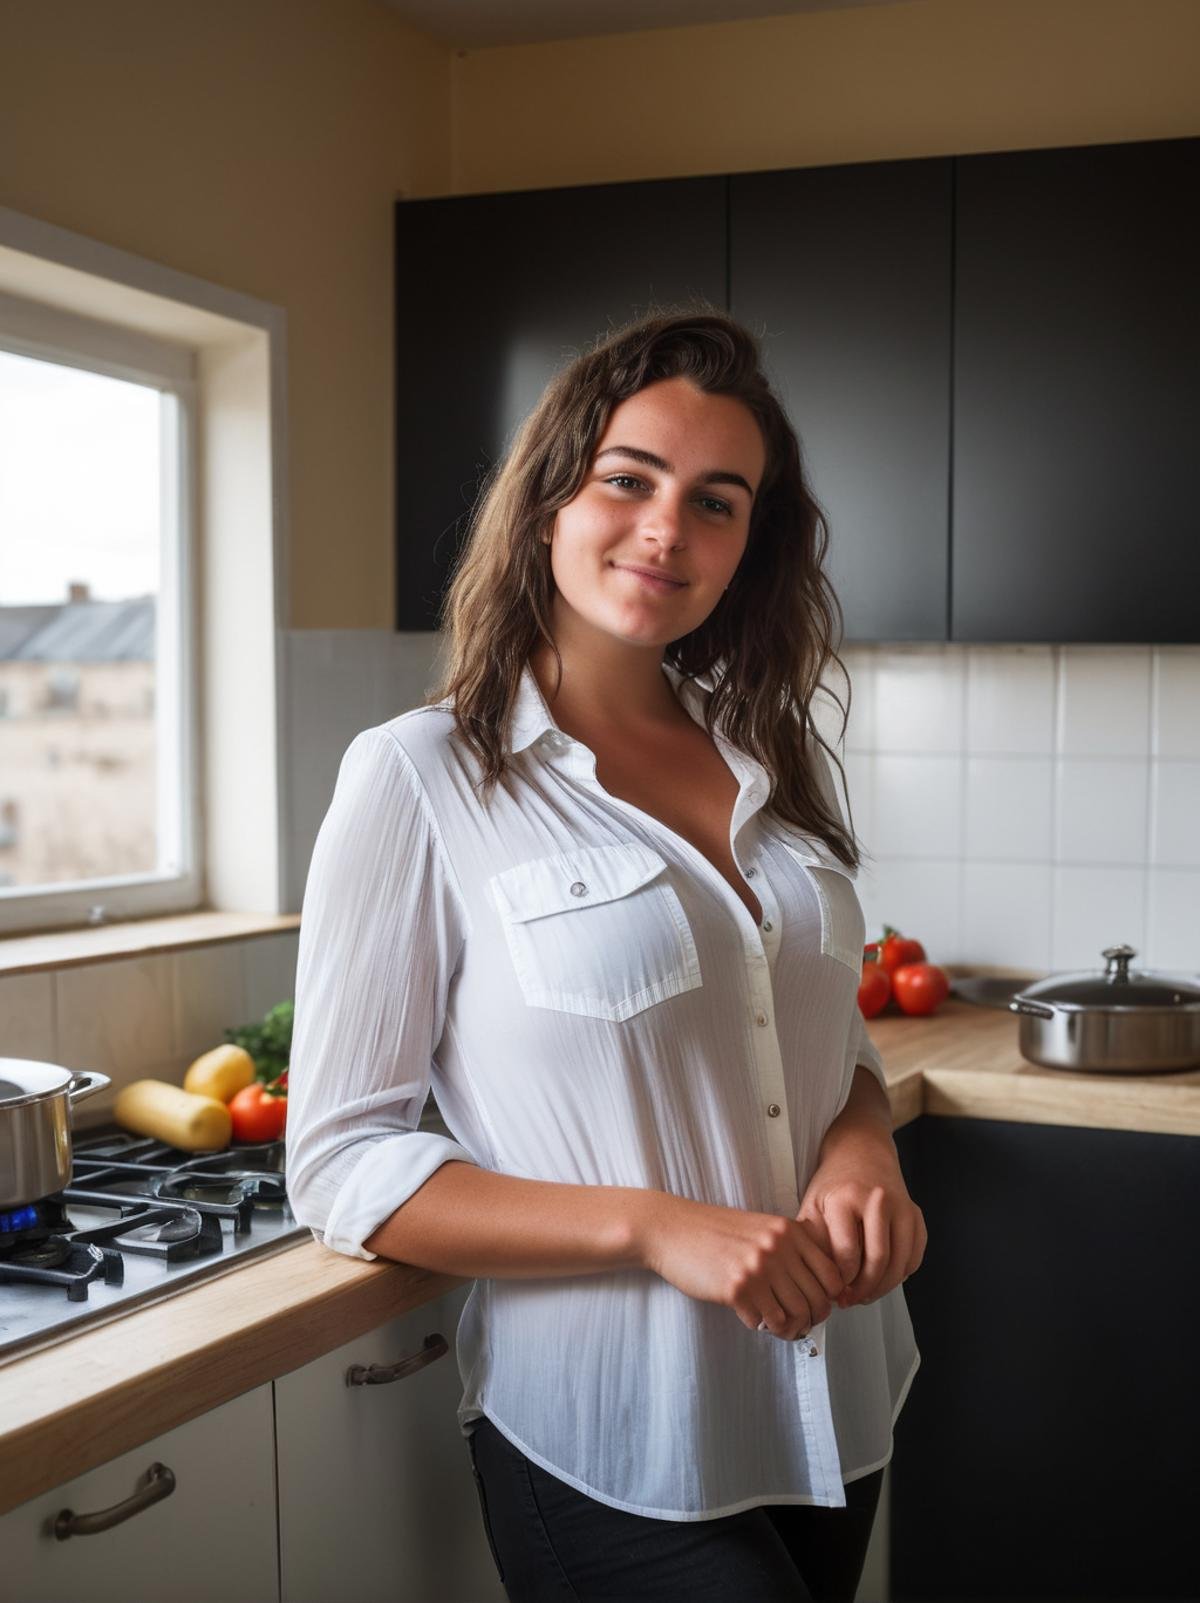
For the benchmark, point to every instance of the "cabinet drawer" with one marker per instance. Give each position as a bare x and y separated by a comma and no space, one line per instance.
377,1502
212,1536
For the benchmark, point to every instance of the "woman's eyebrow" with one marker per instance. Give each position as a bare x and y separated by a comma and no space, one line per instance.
648,459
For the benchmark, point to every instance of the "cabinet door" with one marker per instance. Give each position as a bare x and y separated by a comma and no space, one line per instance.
844,273
377,1500
493,294
1047,1449
213,1536
1077,348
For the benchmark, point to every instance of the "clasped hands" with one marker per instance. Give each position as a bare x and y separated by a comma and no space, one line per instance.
862,1235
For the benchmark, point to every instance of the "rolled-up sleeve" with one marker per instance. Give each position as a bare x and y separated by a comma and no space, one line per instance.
381,929
866,1053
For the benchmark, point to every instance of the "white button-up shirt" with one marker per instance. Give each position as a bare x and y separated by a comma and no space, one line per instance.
592,1003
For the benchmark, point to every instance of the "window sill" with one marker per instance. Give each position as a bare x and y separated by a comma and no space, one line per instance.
57,949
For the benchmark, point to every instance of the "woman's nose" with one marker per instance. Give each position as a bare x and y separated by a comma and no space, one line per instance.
662,521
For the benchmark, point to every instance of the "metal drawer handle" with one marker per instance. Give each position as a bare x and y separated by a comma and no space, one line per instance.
160,1483
380,1374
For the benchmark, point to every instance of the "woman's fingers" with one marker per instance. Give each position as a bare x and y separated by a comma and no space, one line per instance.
877,1244
845,1236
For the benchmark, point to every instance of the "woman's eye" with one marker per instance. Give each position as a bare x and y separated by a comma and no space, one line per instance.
629,478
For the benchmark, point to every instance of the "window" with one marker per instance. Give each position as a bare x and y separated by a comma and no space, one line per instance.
97,682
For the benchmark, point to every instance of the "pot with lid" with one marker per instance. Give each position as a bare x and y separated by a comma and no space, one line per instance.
1118,1020
35,1126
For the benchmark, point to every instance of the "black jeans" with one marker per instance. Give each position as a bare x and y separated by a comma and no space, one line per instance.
553,1544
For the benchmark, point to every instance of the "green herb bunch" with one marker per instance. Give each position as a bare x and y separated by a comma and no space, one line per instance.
269,1042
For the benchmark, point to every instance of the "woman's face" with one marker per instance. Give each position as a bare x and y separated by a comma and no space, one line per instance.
669,489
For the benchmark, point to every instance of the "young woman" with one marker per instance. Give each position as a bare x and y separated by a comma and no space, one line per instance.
599,894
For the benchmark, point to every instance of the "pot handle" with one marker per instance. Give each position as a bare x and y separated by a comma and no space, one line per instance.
1035,1010
84,1083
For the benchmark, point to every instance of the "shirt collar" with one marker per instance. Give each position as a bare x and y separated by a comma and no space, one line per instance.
532,718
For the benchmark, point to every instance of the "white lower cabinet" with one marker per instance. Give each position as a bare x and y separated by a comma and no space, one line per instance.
377,1502
210,1539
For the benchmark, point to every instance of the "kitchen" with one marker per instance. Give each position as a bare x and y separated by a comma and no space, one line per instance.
1026,798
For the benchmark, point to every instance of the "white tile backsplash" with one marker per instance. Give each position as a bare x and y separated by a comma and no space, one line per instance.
1175,814
918,806
1095,908
1103,701
1101,811
1006,915
922,899
919,697
1009,809
1010,700
1175,730
1172,924
1070,798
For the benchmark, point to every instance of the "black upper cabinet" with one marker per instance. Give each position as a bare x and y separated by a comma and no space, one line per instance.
845,274
493,294
1077,355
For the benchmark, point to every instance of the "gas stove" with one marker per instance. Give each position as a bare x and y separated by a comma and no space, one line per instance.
138,1222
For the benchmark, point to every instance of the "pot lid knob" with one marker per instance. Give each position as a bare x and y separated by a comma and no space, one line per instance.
1116,966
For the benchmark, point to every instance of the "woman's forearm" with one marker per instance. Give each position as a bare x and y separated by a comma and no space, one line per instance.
470,1221
867,1116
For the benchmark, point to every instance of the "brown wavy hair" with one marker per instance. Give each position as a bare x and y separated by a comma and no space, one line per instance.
768,640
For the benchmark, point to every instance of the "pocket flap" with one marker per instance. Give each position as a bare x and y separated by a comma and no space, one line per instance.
568,880
811,851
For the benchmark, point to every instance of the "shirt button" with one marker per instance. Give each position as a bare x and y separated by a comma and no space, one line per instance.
773,1109
760,1018
767,924
750,873
812,1351
579,888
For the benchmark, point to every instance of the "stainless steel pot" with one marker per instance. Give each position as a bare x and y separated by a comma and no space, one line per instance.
1116,1021
35,1126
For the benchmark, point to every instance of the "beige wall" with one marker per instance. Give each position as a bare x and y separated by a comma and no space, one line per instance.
259,144
919,78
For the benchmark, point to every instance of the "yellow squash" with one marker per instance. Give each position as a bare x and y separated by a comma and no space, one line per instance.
180,1118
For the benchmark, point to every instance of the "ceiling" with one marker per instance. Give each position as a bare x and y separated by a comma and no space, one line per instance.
478,24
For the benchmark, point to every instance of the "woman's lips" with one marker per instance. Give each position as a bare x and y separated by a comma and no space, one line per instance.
651,581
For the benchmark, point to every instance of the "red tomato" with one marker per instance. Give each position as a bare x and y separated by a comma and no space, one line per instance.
257,1115
896,950
920,987
873,990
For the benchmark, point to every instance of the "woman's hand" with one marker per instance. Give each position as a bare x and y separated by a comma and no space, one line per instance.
857,1198
762,1265
856,1202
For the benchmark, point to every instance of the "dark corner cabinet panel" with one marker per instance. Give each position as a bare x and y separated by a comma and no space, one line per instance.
845,274
1047,1449
1077,369
493,294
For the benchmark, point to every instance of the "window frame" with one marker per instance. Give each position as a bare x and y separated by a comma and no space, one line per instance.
50,333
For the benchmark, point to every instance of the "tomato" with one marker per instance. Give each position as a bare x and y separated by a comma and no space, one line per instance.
920,987
896,950
873,990
257,1115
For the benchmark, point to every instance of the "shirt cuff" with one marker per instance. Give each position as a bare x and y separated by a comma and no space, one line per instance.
383,1178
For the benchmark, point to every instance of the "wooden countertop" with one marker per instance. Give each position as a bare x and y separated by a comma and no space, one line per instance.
83,1401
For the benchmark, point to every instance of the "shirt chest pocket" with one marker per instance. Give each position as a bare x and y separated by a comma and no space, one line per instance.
597,931
843,928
